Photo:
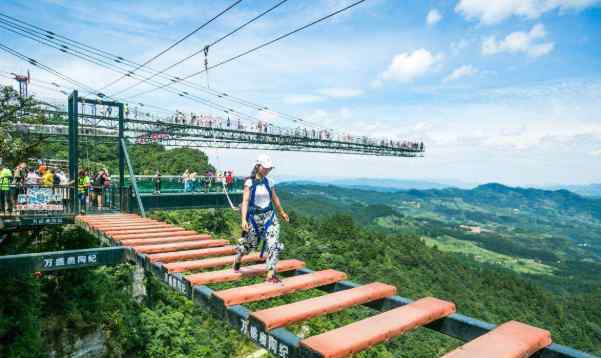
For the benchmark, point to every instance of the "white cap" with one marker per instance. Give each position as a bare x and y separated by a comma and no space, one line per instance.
265,161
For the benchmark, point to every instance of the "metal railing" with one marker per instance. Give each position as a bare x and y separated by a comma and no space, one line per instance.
38,200
176,184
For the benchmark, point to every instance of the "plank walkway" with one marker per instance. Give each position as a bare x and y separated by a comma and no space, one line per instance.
185,252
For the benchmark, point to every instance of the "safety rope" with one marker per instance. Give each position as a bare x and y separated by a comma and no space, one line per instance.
217,156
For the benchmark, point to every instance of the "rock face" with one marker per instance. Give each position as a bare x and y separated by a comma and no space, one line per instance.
89,346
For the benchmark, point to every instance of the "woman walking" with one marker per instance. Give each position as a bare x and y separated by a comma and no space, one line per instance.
260,223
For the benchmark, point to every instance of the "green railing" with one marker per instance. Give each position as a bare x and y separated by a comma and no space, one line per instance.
175,184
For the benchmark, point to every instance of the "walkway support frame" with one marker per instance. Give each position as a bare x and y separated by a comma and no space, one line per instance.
73,122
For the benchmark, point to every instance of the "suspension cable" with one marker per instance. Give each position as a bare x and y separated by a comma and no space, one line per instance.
205,49
175,43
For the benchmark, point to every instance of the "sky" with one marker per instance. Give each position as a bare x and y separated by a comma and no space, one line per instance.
502,91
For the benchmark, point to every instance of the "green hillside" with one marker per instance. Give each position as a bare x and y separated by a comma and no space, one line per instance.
527,229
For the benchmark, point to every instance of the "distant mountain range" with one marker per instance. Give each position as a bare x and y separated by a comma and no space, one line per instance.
389,185
584,190
384,184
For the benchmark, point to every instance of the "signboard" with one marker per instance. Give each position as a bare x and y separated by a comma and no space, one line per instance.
177,283
47,199
264,339
69,261
60,260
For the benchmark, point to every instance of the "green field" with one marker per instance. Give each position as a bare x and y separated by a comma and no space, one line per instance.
521,265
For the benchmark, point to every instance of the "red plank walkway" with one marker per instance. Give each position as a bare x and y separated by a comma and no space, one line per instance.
181,250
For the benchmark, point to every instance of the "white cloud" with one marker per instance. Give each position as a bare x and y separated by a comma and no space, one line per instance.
493,11
341,92
459,45
463,71
596,153
406,67
303,98
520,41
433,17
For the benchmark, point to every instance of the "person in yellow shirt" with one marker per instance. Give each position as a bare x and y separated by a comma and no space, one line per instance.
48,179
83,184
5,178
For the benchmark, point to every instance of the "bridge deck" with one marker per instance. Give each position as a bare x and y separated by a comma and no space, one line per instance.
171,249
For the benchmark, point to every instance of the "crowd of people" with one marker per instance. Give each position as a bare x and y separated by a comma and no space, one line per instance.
17,183
94,190
193,182
262,126
14,182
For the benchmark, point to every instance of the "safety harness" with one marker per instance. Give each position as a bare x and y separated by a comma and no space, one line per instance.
254,210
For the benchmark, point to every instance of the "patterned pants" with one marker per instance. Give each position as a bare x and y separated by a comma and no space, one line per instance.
273,246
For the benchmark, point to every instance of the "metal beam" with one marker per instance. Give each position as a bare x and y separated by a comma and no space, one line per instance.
132,177
73,148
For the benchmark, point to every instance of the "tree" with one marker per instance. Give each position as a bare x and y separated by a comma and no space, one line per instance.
16,143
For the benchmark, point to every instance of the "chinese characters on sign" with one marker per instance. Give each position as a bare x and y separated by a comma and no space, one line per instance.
266,340
176,283
46,199
69,261
46,221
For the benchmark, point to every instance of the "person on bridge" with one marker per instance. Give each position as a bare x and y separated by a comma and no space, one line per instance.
5,178
100,187
157,182
260,224
83,183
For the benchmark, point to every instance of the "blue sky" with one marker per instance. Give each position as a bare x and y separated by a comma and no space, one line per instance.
499,90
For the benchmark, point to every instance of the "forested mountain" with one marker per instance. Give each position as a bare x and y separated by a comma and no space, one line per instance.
558,215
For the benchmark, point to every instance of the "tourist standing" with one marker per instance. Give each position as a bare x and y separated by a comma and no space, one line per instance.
83,183
157,182
5,178
186,180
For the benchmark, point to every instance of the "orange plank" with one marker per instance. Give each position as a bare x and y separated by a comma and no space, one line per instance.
263,291
358,336
286,315
114,217
139,231
152,249
205,278
153,235
509,340
123,220
191,254
182,266
149,226
129,224
113,220
163,240
105,216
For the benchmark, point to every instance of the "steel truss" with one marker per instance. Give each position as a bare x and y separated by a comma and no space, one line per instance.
187,135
